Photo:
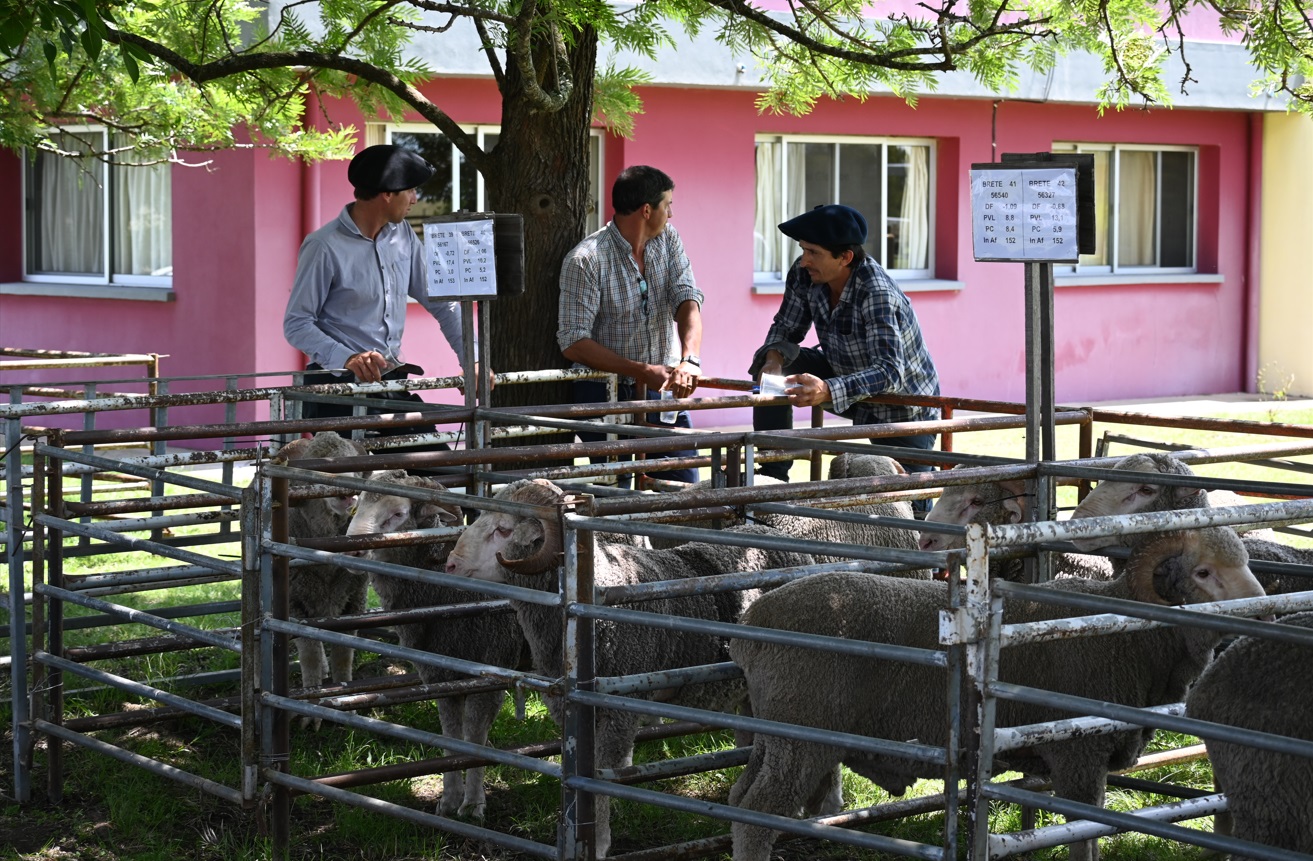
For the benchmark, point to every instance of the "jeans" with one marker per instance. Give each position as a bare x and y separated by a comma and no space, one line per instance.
594,391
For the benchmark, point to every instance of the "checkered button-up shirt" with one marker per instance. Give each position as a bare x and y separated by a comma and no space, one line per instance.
871,339
601,297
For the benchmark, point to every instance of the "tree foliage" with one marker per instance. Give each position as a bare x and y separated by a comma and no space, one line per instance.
181,77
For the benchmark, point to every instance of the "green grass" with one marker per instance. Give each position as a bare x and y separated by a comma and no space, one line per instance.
114,811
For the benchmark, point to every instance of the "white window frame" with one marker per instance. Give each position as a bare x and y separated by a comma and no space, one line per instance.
788,250
481,133
1113,237
107,276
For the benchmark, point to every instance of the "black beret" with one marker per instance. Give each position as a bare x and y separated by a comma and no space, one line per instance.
385,167
829,225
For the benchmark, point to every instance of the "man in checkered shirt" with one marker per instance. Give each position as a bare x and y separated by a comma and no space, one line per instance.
629,304
869,339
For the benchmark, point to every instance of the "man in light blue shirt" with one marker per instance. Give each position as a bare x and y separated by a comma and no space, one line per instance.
353,275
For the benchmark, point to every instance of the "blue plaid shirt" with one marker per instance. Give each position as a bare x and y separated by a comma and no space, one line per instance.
871,339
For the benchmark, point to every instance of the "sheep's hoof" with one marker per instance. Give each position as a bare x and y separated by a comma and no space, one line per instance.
307,722
450,807
472,812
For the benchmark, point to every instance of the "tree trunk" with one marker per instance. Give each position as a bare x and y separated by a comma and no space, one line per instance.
540,169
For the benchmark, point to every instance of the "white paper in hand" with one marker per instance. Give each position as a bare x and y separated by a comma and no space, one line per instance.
772,384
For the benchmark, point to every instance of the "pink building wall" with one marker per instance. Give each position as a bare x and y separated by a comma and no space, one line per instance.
239,223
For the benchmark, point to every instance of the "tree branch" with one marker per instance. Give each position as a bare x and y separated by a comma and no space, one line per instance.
238,64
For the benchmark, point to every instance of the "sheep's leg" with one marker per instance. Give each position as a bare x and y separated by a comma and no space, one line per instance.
342,661
1088,786
480,712
451,711
314,667
780,776
827,799
613,748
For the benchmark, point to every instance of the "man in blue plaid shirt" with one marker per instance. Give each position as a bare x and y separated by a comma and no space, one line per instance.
869,338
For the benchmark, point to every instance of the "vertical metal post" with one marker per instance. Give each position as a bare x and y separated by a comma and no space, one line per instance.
1040,438
256,524
279,755
946,438
17,611
41,473
578,831
159,447
481,431
229,416
982,666
55,677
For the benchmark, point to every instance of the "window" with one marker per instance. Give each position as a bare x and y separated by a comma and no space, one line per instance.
1145,202
457,185
891,182
88,222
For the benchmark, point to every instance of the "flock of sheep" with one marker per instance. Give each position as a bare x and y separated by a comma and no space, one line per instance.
1253,684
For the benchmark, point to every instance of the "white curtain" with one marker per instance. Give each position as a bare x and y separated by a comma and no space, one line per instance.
770,186
914,214
143,218
1137,199
70,213
795,199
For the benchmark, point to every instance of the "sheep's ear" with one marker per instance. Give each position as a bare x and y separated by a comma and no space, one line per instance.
292,451
1017,505
1170,578
437,514
527,533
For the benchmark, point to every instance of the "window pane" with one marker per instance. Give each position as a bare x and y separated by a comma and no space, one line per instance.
769,208
818,176
1176,233
861,186
435,196
1137,201
65,213
1102,208
142,217
909,207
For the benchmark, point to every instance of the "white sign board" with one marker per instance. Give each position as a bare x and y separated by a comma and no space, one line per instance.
1024,214
459,258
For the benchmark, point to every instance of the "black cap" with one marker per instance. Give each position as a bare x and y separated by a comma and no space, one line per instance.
829,225
385,167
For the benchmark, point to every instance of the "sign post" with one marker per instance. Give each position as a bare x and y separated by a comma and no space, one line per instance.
472,257
1031,209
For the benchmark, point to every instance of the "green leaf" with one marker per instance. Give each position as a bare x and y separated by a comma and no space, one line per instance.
130,63
91,42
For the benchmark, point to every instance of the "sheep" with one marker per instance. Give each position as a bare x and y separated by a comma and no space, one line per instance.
488,639
1261,684
998,503
321,591
524,551
813,688
1121,497
837,531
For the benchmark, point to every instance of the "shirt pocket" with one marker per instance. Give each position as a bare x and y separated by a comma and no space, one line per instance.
844,321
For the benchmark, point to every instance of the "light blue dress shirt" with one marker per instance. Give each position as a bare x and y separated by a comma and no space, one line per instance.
350,293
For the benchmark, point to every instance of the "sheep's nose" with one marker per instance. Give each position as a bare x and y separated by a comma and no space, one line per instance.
451,566
927,542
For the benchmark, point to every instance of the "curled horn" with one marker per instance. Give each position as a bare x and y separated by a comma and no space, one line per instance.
536,492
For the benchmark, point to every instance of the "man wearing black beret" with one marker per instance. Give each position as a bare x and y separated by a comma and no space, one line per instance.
869,339
347,310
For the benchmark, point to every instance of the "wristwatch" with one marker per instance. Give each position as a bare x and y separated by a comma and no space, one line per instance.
692,359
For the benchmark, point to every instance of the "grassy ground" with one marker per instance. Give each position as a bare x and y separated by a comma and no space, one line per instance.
115,812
